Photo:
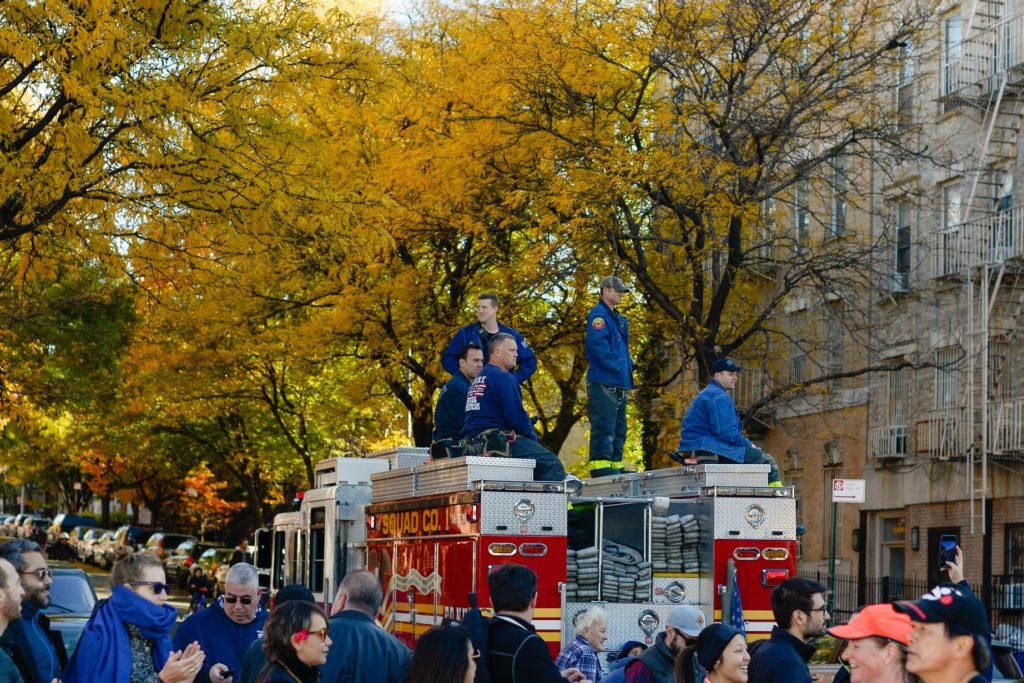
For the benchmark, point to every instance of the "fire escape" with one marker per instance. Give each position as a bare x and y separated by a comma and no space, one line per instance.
983,76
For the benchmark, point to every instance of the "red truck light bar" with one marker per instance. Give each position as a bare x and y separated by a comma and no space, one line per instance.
773,577
746,554
533,549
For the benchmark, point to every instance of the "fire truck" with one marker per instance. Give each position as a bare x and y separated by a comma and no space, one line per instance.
715,536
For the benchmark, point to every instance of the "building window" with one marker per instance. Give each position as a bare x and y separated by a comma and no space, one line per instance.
899,403
953,35
802,212
834,344
905,88
947,376
950,227
1015,549
766,230
1001,245
840,189
901,276
998,370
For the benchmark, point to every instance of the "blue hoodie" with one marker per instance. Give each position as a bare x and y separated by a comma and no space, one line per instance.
494,401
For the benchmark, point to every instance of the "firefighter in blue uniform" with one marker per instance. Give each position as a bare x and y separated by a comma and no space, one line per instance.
609,377
451,404
495,413
481,332
712,431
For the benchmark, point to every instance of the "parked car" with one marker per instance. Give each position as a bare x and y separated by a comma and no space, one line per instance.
6,522
178,565
103,550
15,527
162,544
88,543
75,537
72,599
134,537
35,529
65,523
212,560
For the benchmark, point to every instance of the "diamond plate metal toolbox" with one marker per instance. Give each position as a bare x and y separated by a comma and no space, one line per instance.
641,621
755,518
678,589
458,474
394,484
523,512
330,471
676,480
402,456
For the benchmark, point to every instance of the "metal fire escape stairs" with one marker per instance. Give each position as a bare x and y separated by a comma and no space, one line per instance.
987,80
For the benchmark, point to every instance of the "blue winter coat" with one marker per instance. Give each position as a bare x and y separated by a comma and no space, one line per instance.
494,401
223,641
363,652
607,347
451,408
712,424
526,363
781,659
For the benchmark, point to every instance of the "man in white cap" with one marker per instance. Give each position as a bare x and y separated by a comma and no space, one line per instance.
656,664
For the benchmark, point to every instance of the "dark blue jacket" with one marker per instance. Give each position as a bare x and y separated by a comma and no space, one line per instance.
9,672
494,401
363,652
607,348
451,408
38,650
712,424
223,641
527,361
781,659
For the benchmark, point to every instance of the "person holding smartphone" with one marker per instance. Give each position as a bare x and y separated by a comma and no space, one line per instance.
227,628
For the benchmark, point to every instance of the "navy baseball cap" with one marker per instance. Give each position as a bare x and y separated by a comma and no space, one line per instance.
724,365
615,283
949,604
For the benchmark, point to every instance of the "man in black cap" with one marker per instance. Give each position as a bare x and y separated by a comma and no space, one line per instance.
609,377
712,430
948,643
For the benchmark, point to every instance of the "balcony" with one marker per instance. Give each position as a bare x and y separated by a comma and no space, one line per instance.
1006,427
944,434
971,75
993,239
888,442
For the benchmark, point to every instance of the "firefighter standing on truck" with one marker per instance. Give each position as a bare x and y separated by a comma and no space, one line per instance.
494,408
609,377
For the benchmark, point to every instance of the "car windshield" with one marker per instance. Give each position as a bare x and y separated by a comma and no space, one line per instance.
70,592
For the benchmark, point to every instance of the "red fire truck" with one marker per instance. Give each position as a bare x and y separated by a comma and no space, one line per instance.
637,544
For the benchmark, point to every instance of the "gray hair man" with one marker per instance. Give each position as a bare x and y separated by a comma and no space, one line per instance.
225,630
37,649
363,652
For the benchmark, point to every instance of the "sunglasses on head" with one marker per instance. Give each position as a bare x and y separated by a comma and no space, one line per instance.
156,586
245,599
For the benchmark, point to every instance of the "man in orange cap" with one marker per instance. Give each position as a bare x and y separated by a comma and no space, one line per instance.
877,648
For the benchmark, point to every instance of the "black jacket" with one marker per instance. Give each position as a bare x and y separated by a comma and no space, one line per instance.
782,659
659,660
516,654
8,671
293,672
363,652
16,642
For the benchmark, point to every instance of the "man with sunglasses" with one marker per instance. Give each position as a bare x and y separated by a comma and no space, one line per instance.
37,649
225,630
801,616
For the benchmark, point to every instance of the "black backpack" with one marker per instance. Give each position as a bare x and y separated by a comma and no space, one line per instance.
478,626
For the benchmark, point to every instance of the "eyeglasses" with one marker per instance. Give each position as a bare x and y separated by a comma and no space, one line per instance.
475,655
322,634
822,609
245,599
304,634
156,585
42,573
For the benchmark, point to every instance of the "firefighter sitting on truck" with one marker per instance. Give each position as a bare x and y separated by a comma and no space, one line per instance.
495,418
451,404
712,430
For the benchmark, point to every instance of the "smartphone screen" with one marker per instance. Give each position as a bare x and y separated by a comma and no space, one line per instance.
947,550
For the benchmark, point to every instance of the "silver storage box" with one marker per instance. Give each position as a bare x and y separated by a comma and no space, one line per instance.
401,456
394,484
458,474
677,480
